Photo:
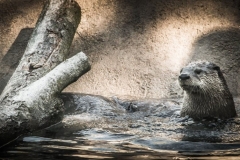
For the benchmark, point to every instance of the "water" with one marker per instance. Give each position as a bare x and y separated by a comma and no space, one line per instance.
99,128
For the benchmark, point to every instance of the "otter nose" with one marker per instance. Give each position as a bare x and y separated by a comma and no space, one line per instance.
184,76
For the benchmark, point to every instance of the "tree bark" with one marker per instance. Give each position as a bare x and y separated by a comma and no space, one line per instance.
38,105
48,45
30,101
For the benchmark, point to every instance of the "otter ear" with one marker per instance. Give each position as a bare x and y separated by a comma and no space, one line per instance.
216,68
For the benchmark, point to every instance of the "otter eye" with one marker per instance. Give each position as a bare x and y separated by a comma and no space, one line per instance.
197,71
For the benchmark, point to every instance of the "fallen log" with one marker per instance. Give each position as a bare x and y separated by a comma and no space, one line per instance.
48,46
31,100
38,105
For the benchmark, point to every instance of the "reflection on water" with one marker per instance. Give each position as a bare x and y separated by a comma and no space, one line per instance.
85,144
102,144
129,130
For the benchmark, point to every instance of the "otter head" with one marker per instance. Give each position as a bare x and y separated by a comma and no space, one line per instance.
200,77
205,92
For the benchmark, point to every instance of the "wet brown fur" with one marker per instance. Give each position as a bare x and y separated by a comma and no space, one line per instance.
205,92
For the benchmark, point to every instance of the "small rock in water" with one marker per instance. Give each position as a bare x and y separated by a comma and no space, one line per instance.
132,107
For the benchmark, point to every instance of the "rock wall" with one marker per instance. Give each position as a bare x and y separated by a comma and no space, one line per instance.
137,47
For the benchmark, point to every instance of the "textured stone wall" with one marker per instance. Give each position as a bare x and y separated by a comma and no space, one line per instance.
137,47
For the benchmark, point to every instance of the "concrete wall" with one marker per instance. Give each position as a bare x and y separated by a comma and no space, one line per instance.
137,47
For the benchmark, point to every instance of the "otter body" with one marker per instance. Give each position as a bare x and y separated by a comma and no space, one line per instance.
206,94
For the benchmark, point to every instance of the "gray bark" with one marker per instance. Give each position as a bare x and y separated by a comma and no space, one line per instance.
48,45
30,101
38,105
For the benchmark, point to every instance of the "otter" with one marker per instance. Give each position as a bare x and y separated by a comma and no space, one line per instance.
206,94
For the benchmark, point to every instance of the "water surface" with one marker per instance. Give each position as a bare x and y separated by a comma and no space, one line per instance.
98,128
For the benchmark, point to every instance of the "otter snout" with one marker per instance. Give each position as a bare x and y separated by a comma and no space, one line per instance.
184,77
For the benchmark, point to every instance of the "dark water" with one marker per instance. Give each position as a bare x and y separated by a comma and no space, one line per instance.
102,144
99,128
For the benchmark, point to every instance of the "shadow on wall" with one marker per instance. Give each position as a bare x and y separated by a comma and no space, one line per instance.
10,11
11,59
138,16
222,47
130,17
